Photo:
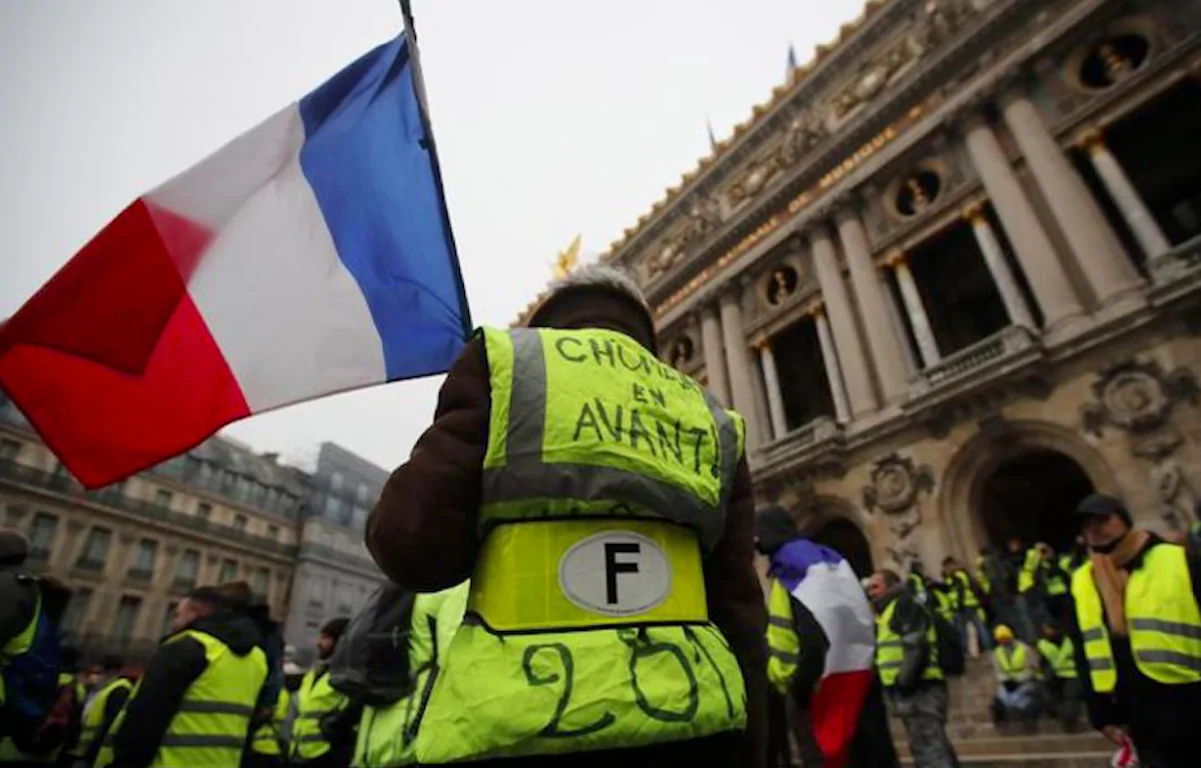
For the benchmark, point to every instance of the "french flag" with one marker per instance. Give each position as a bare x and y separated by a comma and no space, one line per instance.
309,256
824,583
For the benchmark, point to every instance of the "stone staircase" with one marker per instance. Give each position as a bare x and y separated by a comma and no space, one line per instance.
982,745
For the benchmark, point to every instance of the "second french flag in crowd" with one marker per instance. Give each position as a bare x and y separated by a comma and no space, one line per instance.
311,255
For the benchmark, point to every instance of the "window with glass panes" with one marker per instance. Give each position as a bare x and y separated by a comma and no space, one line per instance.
42,529
240,522
77,609
204,511
9,449
162,497
273,532
187,566
127,616
143,559
228,572
258,582
95,549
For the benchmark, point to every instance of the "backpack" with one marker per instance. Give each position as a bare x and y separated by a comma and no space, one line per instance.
950,649
371,661
31,679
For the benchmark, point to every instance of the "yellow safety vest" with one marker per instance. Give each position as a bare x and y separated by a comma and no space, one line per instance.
965,592
1056,583
783,644
1027,576
92,722
21,642
212,724
1013,662
982,576
607,474
388,735
890,653
315,699
1161,614
268,738
1061,657
944,603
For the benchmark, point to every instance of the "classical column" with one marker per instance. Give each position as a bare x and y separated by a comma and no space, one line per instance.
915,309
738,356
1048,280
1097,250
1121,190
998,267
771,382
898,319
846,335
882,334
715,358
838,392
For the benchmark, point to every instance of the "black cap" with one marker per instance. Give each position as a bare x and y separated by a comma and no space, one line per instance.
1102,505
774,528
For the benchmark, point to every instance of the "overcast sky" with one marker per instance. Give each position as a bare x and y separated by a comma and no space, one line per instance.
552,118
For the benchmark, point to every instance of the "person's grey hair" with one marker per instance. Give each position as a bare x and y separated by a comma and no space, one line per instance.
601,276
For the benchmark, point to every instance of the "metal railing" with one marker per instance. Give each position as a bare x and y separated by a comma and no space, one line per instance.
115,498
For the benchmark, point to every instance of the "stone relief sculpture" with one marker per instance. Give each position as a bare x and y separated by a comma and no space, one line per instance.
704,215
1138,397
894,488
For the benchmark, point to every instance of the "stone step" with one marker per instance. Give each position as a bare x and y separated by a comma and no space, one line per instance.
1038,744
1091,759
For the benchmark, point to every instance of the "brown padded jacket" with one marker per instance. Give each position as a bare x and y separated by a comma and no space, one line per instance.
422,532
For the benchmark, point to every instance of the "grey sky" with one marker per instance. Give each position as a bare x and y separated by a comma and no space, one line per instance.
552,118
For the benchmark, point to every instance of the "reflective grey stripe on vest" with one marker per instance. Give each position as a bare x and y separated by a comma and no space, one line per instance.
1170,657
785,656
216,708
1168,627
309,738
201,740
525,476
1100,665
779,621
1096,633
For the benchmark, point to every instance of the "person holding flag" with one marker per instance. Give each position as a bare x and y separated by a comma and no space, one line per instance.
821,645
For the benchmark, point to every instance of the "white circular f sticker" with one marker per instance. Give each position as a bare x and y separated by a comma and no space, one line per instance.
616,573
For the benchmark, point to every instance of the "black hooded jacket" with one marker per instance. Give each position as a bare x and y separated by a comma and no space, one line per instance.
168,676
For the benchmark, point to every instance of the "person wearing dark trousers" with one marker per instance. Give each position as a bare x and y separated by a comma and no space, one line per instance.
1137,636
1061,676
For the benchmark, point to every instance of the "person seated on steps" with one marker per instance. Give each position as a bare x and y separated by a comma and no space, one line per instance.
1019,692
1059,671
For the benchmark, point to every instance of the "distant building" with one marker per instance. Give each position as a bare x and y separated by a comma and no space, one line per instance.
129,551
950,273
334,574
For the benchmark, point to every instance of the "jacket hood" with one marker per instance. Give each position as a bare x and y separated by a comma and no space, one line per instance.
236,630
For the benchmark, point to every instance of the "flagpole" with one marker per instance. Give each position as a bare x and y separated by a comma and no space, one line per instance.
406,10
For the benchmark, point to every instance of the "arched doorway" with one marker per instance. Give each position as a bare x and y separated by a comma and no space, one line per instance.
1032,496
845,538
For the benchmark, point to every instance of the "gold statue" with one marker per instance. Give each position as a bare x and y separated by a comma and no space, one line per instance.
567,260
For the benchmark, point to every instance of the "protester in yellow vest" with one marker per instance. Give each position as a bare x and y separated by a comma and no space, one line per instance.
907,662
1019,691
966,610
323,733
1060,675
601,502
113,687
193,706
1138,634
388,734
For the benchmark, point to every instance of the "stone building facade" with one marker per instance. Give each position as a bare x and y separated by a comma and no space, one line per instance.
334,573
131,550
950,274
